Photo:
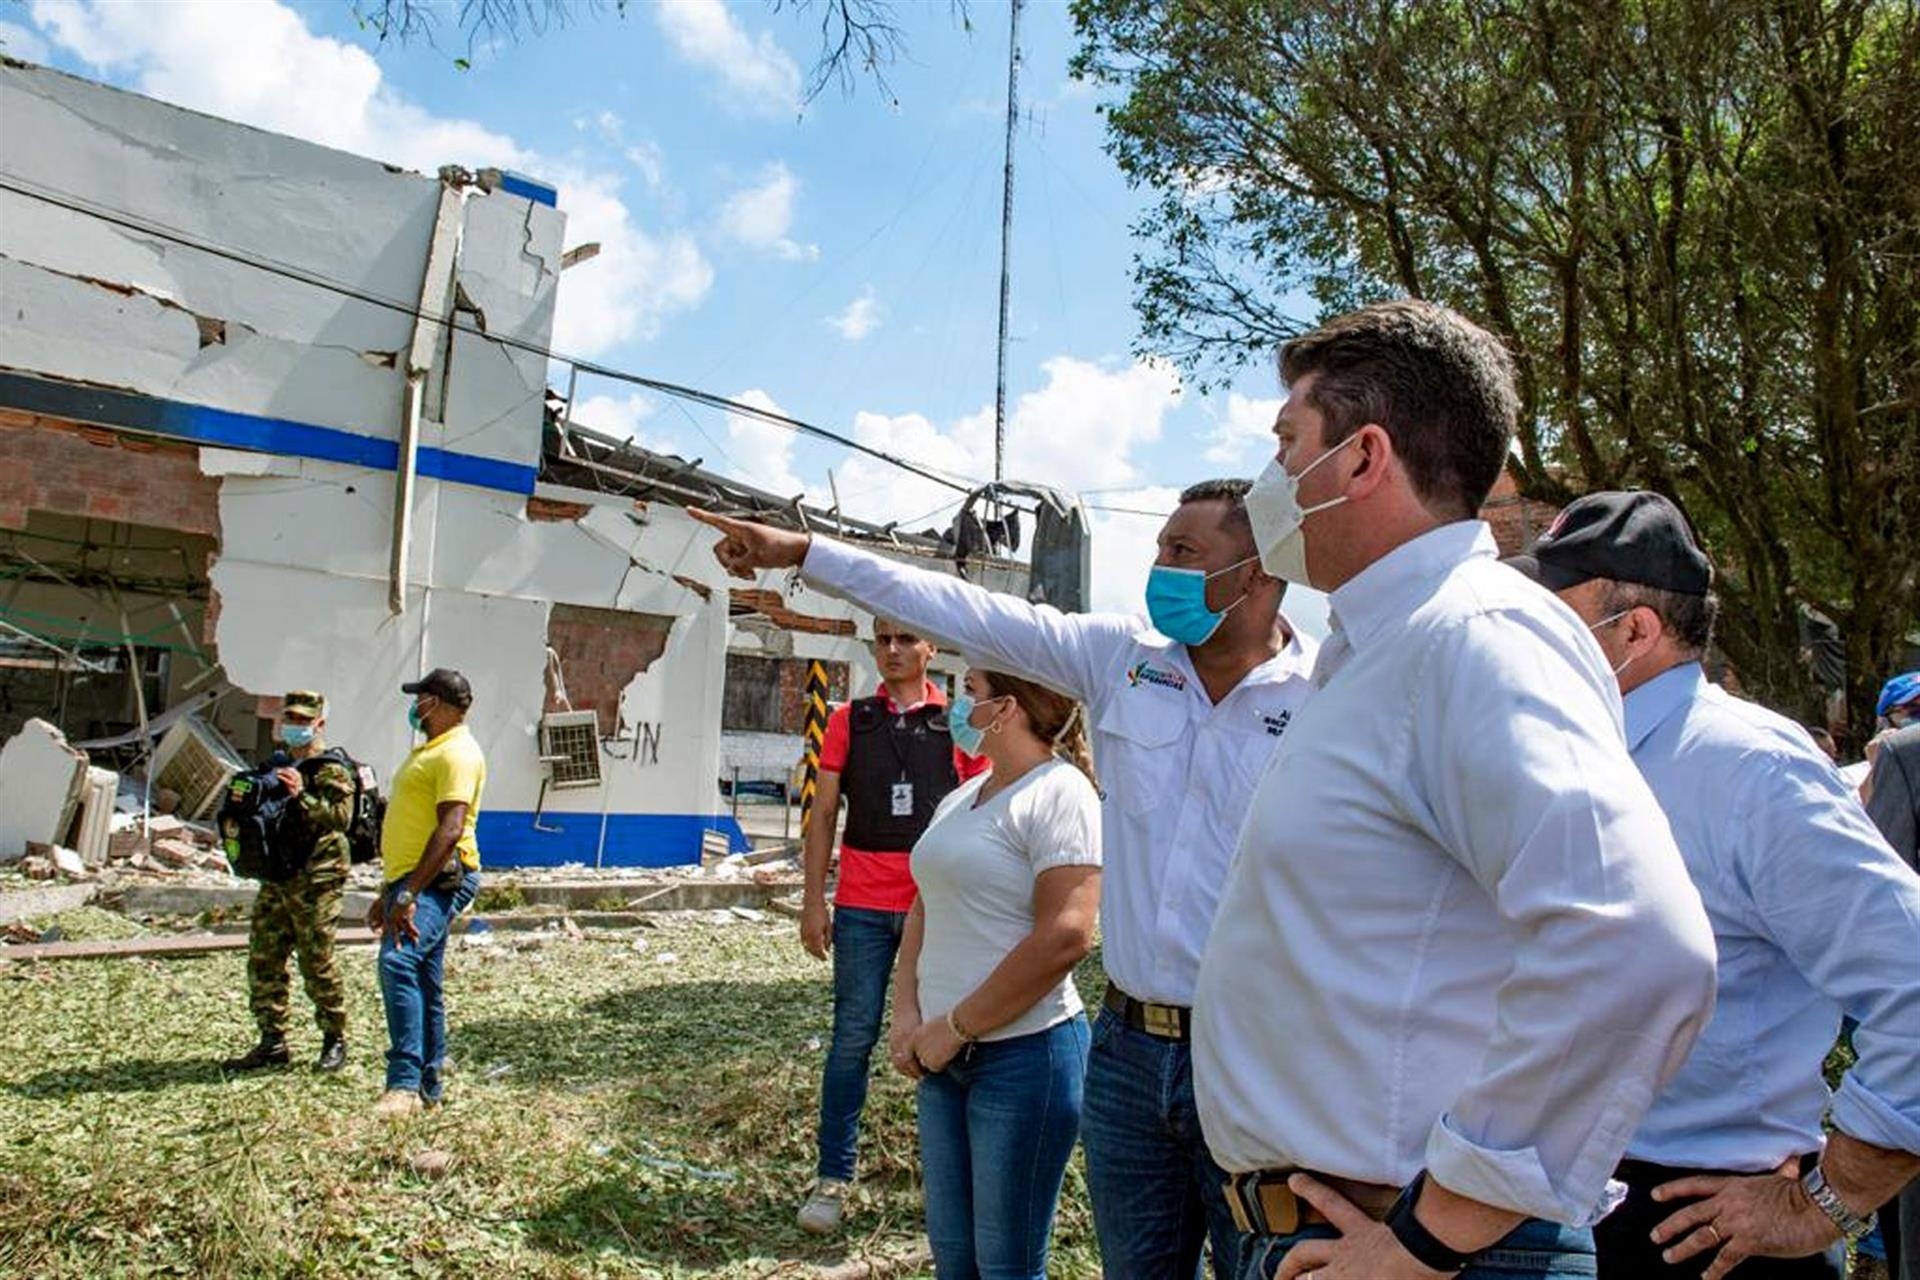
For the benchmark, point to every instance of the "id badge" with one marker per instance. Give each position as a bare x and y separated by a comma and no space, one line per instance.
903,799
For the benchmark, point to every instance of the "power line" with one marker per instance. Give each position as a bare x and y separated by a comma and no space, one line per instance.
76,204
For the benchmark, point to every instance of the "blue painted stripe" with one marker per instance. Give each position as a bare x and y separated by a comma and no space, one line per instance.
467,468
508,838
226,428
519,184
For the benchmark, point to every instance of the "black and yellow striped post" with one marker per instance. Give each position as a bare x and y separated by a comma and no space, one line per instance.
816,734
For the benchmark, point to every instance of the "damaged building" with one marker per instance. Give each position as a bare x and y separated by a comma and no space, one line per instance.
274,416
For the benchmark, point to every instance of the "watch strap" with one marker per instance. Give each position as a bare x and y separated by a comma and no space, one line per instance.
1427,1249
1851,1225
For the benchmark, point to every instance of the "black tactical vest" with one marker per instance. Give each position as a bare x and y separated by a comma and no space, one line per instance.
887,748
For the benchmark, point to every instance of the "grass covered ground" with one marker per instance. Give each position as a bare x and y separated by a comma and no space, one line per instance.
612,1112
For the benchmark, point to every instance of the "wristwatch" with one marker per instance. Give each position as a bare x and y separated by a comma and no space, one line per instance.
1427,1249
1852,1226
402,897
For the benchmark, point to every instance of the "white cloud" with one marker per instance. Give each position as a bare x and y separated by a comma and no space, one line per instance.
623,417
758,76
1243,438
18,42
762,452
860,318
255,61
1077,431
760,216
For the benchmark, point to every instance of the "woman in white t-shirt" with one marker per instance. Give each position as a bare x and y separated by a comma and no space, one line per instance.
985,1014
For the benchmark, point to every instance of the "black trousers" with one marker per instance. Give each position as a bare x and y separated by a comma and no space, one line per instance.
1625,1241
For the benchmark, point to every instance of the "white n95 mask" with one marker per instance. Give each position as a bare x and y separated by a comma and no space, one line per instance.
1273,507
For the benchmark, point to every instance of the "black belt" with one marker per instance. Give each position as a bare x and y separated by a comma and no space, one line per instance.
1162,1021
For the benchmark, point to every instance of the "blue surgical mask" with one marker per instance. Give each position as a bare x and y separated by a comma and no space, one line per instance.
1177,602
297,735
960,725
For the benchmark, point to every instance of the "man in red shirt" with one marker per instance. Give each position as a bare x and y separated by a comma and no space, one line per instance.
890,756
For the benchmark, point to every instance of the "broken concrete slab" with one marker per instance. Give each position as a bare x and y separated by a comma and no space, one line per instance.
96,815
190,944
25,904
68,863
40,781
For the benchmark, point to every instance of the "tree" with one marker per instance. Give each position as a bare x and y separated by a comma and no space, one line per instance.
857,37
1696,223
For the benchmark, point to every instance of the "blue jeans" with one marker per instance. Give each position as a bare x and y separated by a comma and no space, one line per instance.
997,1128
1156,1192
410,988
1534,1250
864,945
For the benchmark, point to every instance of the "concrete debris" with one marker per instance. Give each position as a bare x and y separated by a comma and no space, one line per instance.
41,778
69,863
175,853
96,815
748,914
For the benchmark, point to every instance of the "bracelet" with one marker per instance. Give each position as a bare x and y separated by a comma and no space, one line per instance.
1850,1224
960,1033
1427,1249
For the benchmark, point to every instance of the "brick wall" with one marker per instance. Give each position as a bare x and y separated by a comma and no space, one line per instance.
63,467
601,651
1516,521
793,692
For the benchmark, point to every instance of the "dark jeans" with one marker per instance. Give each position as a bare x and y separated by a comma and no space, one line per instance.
1627,1250
997,1128
864,944
1534,1250
410,974
1156,1192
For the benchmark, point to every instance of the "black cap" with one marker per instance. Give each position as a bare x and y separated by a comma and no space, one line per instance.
445,684
1628,537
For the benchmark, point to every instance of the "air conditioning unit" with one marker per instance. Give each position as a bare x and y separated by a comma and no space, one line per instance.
196,764
570,747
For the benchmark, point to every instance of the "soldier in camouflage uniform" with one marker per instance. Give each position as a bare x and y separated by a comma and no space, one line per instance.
300,915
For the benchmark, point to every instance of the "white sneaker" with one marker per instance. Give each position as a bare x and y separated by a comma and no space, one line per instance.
820,1215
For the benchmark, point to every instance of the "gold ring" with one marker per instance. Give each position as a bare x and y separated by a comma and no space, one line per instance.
1717,1241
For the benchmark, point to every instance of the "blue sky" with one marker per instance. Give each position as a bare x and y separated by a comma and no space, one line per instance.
839,261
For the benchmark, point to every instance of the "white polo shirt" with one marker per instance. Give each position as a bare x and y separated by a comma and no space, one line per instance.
1177,769
1458,935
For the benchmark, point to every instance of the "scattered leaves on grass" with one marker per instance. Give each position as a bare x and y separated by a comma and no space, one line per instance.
657,1120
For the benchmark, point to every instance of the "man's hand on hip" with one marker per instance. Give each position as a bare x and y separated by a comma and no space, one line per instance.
746,547
1765,1215
1366,1250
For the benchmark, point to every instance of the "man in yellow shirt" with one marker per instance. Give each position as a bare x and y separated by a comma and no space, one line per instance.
431,864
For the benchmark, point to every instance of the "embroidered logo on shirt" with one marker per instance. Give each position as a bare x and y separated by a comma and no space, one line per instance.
1147,673
1276,725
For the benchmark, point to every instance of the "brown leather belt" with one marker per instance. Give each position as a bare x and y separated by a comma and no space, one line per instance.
1162,1021
1262,1204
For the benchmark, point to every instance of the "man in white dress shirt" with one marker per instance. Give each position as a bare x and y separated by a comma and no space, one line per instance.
1814,917
1185,716
1458,954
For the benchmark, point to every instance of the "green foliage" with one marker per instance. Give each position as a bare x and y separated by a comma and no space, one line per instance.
609,1114
502,895
1695,222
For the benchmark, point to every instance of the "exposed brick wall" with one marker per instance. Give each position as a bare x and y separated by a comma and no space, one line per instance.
793,691
772,605
1516,521
601,651
63,467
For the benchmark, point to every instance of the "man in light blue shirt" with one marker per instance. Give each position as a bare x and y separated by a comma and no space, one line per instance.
1813,917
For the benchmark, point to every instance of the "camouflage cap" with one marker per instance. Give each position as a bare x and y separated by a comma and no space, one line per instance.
304,702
